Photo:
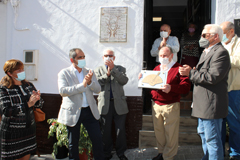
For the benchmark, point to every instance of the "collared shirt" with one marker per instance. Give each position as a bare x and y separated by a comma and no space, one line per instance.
172,42
206,50
169,66
80,80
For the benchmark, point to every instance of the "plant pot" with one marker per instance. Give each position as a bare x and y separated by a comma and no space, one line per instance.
84,156
62,152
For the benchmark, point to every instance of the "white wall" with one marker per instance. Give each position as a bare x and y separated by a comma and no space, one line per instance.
225,10
3,36
57,26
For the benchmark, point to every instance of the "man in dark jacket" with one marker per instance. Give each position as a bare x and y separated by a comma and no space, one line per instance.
112,104
210,95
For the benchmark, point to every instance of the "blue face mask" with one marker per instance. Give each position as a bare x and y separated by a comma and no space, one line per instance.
81,63
21,76
224,39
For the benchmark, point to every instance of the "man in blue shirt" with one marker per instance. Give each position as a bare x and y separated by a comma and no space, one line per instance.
165,40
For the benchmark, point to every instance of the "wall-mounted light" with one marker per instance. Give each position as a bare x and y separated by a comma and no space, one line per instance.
157,19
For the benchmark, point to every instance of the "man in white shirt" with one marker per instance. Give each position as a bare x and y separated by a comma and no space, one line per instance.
76,85
232,43
165,40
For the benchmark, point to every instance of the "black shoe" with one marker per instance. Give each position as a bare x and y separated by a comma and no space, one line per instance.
233,158
122,157
158,157
108,158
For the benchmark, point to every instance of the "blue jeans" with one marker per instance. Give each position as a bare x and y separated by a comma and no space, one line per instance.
233,120
210,133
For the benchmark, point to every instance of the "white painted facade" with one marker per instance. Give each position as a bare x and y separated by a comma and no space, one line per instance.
225,10
57,26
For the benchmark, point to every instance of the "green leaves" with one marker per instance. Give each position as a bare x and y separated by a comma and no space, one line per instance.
60,131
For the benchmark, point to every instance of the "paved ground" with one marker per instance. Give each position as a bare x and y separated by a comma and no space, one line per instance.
184,153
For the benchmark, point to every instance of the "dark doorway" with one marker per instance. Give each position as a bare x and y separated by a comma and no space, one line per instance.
176,13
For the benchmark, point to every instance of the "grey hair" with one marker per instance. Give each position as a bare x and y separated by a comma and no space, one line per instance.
72,53
167,46
215,29
108,49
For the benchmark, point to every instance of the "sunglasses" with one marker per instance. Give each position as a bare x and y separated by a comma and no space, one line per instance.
204,35
108,55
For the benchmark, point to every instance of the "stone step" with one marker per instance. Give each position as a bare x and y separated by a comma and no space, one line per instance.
185,121
147,139
191,129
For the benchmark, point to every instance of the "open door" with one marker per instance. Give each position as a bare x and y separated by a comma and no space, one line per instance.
177,15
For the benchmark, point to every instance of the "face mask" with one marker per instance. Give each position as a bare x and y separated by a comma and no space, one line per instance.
164,34
107,59
204,43
21,76
81,63
224,39
191,30
164,61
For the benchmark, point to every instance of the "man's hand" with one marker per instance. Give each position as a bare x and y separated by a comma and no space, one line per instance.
109,72
166,88
88,78
110,64
164,42
185,70
139,76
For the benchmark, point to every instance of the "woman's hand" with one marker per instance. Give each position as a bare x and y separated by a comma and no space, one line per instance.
34,98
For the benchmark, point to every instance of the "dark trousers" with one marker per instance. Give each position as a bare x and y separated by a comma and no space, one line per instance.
106,126
93,128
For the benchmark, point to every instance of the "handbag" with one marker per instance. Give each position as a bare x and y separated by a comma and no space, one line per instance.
39,115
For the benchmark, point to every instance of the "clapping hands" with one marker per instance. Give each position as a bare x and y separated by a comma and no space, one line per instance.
34,98
88,78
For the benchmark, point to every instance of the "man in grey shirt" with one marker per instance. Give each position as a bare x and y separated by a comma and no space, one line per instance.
165,40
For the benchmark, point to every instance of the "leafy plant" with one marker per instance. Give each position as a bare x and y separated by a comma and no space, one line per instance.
60,130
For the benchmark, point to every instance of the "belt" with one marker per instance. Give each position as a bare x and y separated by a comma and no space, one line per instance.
111,99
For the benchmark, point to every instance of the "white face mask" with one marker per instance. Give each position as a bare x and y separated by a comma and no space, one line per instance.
107,59
164,34
164,61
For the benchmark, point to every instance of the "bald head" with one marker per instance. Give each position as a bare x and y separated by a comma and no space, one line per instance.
227,25
166,52
228,30
165,28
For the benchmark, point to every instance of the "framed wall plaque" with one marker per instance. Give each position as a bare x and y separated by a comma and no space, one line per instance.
152,79
113,24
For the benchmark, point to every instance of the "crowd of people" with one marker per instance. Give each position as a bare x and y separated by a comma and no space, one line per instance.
216,97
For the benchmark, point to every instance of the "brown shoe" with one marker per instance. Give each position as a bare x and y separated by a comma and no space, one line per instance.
158,157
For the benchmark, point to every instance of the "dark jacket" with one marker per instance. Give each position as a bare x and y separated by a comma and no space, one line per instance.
210,95
117,79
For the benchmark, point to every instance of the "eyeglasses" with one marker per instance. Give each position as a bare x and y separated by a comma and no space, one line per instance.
204,35
108,55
